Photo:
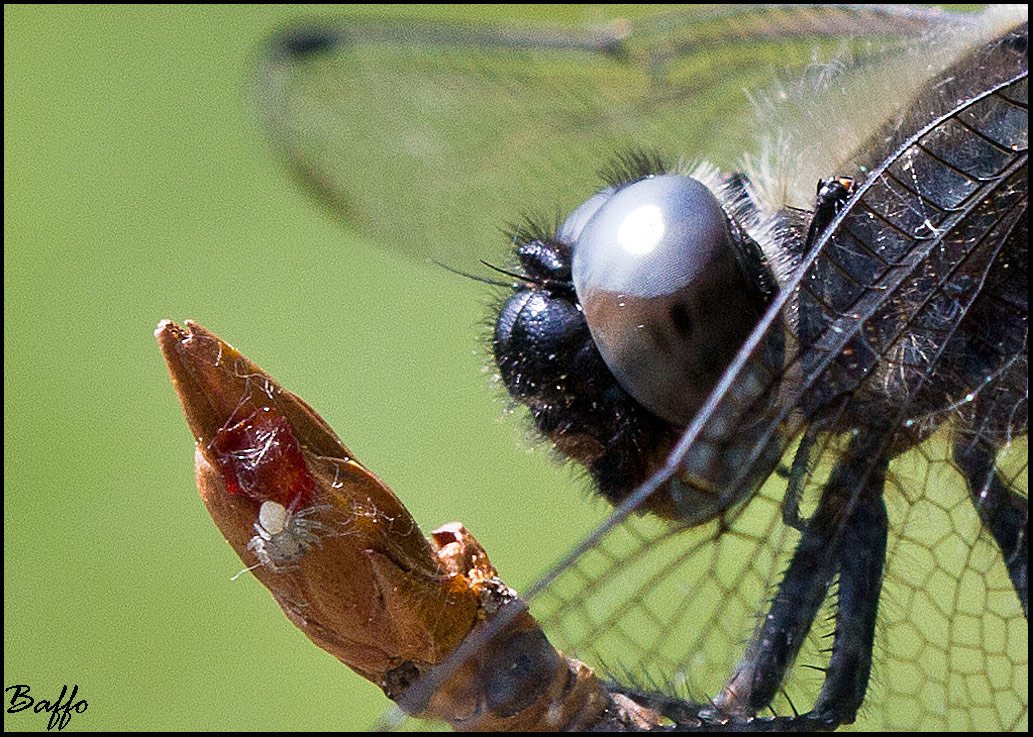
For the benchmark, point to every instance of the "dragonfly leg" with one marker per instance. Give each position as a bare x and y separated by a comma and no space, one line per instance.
862,556
1004,513
797,477
846,536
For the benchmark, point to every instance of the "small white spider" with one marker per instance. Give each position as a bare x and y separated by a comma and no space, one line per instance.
283,537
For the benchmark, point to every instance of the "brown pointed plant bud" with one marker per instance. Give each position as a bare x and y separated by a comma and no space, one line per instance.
352,570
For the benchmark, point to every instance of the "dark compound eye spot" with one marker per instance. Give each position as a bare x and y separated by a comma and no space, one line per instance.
680,319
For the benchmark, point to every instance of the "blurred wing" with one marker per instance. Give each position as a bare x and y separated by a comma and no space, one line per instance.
433,138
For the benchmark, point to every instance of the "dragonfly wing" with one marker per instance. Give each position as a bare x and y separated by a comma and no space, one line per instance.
432,138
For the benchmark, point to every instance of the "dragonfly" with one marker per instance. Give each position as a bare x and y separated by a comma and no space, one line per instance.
811,420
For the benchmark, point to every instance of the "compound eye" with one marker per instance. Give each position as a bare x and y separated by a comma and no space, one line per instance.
664,296
570,230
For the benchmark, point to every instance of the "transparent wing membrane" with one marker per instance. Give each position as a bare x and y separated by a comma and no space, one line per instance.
431,137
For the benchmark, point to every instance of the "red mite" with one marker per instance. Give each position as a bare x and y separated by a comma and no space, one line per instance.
260,456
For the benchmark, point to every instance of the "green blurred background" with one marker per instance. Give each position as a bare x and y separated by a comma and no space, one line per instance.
138,187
